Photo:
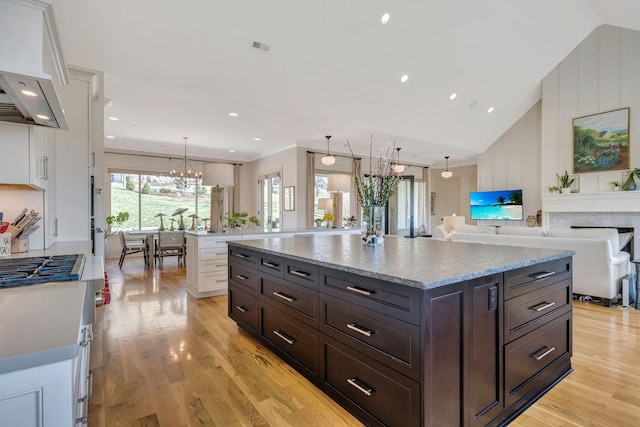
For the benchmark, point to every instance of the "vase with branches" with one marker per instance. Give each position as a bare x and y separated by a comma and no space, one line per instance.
374,189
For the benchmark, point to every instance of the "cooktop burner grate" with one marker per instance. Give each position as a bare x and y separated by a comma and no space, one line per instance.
33,270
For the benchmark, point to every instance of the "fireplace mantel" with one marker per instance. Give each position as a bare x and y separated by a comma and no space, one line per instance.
613,201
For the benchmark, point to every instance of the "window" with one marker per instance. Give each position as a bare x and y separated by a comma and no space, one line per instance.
322,192
145,195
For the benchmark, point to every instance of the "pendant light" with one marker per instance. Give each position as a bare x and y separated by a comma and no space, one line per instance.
398,168
446,173
328,160
185,170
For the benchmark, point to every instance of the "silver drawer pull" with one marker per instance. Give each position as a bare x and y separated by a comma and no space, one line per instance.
221,253
242,256
542,275
300,273
283,296
90,386
221,265
269,264
359,291
288,340
241,277
543,355
241,309
543,306
363,388
359,329
221,280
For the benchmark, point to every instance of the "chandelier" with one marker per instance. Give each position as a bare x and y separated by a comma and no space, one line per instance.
185,170
446,173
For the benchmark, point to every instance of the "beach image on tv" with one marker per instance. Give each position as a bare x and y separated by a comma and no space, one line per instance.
505,205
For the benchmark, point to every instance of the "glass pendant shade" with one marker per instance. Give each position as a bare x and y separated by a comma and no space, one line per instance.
446,173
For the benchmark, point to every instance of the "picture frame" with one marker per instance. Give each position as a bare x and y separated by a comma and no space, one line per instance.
433,203
289,198
601,142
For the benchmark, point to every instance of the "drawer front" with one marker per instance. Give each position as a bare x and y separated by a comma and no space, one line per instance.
292,337
272,264
216,241
528,356
301,273
297,299
389,397
387,340
391,299
246,257
220,253
214,265
245,278
213,281
523,280
528,311
243,307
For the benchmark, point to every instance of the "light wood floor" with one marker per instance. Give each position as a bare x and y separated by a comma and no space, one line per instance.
163,358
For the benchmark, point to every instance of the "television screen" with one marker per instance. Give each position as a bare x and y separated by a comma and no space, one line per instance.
505,204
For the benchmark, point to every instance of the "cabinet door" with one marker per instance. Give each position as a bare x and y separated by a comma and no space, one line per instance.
14,144
40,167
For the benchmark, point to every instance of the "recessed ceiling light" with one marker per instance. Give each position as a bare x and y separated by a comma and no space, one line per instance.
453,96
115,119
257,139
490,110
232,151
27,92
404,78
43,117
110,137
385,18
233,114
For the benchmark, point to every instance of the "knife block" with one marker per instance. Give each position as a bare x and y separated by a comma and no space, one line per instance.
19,245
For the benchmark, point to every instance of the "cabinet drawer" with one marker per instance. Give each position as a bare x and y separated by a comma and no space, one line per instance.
214,265
527,357
213,281
272,264
297,300
245,278
244,256
389,397
391,299
295,339
523,280
390,341
216,241
301,273
526,312
220,253
243,307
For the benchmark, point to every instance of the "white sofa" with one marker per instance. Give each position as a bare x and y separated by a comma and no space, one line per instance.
598,264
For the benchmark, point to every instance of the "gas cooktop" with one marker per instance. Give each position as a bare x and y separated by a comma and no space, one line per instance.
33,270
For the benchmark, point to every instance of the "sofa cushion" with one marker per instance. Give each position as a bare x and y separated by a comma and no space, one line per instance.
469,228
521,231
610,234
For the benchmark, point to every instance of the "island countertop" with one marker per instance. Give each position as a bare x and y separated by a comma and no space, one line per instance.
420,263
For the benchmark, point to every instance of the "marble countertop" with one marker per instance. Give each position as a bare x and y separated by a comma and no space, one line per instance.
316,230
421,263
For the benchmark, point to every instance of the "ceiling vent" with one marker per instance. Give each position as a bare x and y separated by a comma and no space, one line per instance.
260,46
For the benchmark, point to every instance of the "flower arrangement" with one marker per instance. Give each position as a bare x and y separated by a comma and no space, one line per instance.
328,216
115,220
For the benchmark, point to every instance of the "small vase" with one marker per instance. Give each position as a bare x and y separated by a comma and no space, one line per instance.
566,190
531,221
629,184
372,228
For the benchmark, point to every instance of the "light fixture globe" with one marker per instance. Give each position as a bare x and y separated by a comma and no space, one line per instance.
446,173
397,167
328,160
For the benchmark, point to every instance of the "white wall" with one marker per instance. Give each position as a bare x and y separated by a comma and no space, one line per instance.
452,194
601,74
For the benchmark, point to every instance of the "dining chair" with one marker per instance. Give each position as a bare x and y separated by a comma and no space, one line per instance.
130,247
170,243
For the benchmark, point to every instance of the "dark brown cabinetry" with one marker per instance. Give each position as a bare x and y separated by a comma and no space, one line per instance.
472,353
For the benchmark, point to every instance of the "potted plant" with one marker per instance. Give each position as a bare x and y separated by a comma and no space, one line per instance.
630,183
349,221
617,185
554,190
565,182
329,217
114,222
239,220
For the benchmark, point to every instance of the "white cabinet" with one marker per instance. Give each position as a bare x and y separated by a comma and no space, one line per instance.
25,151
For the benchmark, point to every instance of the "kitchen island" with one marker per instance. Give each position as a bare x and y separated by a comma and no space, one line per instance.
417,332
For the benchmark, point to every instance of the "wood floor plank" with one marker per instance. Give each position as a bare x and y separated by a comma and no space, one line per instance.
163,358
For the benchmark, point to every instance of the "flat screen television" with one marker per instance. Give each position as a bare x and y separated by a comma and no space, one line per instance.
505,205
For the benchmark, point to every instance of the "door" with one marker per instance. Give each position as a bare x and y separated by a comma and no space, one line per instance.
406,207
270,213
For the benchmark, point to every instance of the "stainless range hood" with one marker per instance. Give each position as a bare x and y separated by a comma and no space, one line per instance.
31,64
30,101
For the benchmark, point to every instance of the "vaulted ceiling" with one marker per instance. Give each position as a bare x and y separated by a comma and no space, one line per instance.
175,69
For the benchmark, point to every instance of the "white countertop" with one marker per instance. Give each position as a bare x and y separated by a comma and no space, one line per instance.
298,231
39,324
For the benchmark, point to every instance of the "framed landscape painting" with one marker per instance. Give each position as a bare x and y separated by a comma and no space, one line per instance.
601,142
